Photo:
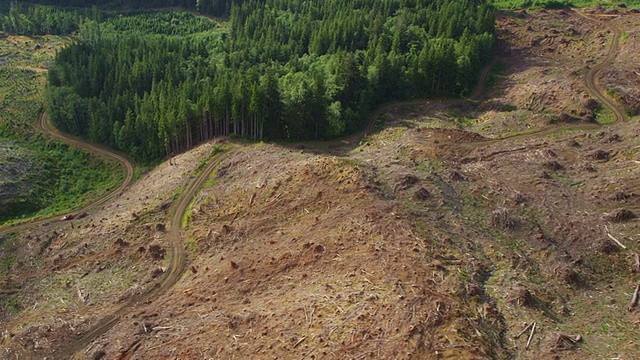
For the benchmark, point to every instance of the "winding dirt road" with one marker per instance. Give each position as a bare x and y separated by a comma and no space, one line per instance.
127,164
178,260
177,265
594,71
463,148
175,270
124,160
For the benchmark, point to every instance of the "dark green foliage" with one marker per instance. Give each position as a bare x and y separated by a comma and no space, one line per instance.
156,84
45,174
162,23
212,7
36,173
18,18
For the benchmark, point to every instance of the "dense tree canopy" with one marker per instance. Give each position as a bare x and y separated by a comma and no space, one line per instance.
39,20
152,84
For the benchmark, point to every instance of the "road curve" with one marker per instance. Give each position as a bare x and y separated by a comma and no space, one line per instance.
591,87
178,255
178,260
175,270
127,164
46,127
594,71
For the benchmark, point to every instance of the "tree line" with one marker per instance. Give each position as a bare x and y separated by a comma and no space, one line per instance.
209,7
18,18
278,69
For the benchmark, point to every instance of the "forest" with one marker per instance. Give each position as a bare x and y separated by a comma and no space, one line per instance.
209,7
39,176
156,83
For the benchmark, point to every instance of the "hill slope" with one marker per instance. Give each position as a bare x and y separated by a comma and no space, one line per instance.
433,237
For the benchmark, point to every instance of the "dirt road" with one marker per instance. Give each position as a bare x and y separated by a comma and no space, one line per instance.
464,148
174,236
127,164
594,71
171,276
47,128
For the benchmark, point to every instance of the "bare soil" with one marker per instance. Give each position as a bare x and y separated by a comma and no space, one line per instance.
442,235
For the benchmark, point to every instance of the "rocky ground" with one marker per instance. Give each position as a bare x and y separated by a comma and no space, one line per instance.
499,228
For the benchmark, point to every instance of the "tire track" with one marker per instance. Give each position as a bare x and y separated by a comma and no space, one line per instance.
465,148
595,71
174,236
127,164
175,271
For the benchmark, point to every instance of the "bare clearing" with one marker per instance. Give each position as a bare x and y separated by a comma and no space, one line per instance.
428,239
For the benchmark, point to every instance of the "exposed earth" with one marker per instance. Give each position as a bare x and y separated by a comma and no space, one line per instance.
500,227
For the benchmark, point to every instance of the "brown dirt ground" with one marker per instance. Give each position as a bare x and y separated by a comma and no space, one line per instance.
425,240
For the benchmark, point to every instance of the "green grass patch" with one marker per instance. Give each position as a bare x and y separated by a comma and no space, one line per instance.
466,121
187,215
217,149
210,182
605,116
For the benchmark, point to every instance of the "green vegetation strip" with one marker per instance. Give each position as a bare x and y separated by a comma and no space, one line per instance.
154,84
39,177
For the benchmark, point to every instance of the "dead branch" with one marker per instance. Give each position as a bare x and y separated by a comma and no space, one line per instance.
533,330
82,298
156,328
299,341
565,342
636,267
523,331
616,241
634,298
